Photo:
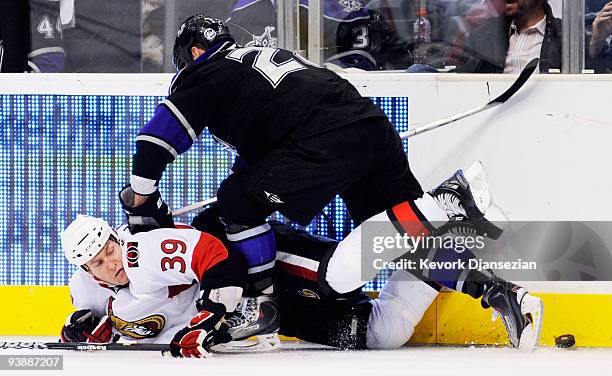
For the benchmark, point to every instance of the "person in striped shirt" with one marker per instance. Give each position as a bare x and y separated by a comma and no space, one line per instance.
505,44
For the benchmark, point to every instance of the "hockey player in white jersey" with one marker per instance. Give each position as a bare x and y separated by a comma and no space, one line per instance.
123,291
170,285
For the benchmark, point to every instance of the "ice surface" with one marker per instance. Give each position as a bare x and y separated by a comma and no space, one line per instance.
313,360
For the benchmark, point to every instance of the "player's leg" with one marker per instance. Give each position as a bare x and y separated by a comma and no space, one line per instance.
349,321
400,306
307,311
298,178
517,308
246,230
392,184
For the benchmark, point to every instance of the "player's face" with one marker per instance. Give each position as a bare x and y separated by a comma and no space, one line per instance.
107,265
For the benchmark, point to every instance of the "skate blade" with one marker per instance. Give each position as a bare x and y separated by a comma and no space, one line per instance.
479,188
261,343
533,309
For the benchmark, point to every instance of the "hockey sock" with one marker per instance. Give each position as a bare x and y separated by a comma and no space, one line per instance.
258,246
420,219
456,274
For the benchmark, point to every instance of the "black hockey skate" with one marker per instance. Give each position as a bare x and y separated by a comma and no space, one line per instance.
456,197
520,312
257,317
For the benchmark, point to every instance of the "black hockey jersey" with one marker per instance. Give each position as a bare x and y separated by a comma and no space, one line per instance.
47,51
251,99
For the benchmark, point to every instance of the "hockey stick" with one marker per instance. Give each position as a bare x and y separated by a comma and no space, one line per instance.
83,346
192,207
520,81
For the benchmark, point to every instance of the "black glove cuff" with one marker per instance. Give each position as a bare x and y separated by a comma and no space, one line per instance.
151,214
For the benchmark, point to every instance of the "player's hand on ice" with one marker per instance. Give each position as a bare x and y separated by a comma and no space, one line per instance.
203,331
83,326
151,214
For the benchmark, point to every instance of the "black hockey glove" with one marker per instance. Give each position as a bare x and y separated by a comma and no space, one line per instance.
152,214
209,221
83,326
203,331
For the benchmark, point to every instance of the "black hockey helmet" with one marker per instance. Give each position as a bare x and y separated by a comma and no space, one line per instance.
197,29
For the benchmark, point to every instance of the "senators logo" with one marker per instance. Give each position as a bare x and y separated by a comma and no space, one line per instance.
148,327
132,254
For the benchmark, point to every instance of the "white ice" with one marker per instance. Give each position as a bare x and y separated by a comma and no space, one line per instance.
313,360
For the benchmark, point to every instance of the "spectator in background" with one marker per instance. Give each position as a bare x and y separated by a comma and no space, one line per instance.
507,43
48,19
353,35
32,32
599,43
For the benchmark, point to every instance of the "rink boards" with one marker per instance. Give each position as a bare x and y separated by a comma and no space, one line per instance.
453,319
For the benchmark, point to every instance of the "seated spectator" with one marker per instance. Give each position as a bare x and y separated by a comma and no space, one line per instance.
507,43
599,44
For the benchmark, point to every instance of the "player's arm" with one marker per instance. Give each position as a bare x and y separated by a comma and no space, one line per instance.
89,323
221,274
172,130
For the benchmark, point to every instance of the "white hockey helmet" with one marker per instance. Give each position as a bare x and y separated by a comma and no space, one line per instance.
84,238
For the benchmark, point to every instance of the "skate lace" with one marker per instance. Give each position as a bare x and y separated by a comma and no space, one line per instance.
246,312
450,203
462,230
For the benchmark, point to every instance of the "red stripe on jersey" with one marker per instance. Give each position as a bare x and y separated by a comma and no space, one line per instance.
297,270
207,253
409,220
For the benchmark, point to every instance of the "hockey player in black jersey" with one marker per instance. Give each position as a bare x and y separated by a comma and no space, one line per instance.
303,135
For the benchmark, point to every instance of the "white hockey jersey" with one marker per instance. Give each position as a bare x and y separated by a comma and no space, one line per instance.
165,267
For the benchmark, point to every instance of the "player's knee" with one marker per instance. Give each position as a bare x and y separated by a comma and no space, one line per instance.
388,327
399,307
341,271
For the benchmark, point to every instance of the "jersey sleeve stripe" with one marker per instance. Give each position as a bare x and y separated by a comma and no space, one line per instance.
354,52
181,118
165,126
159,142
261,268
298,271
207,252
46,50
248,233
